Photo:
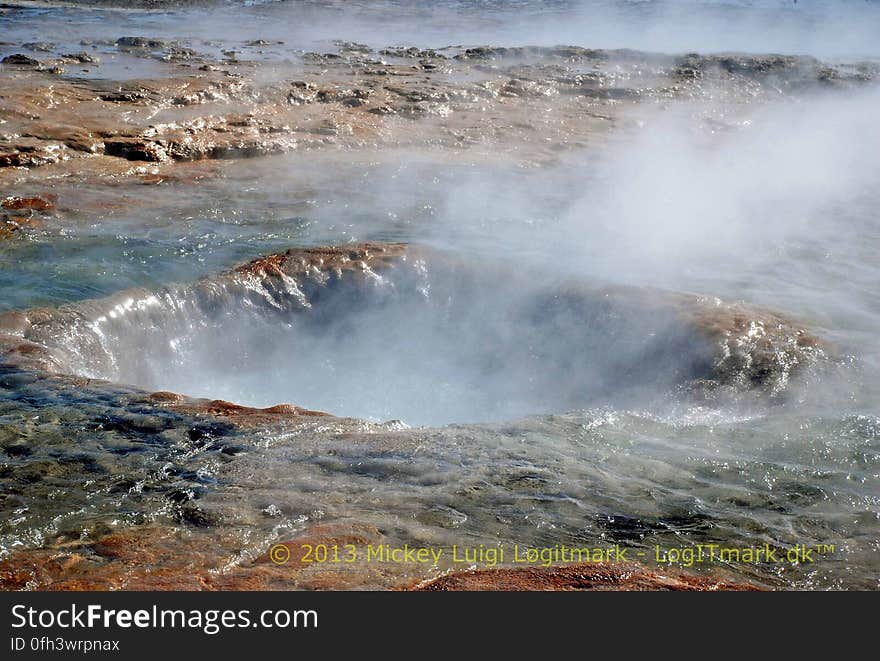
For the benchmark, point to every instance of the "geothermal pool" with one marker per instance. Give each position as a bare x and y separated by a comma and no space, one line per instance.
437,275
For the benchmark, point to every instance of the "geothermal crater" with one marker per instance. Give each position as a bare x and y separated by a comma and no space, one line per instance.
389,331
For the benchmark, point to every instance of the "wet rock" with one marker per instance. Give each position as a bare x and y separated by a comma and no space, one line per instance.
125,97
36,203
758,349
196,516
599,576
78,116
14,323
564,52
162,558
246,414
801,494
482,53
132,424
17,450
19,60
29,154
351,98
442,516
82,58
205,93
423,109
358,97
79,463
235,136
527,88
357,535
413,53
9,226
622,527
327,127
251,148
40,46
135,149
611,93
181,495
489,53
74,137
577,53
203,433
166,397
332,95
178,54
790,70
240,120
383,110
302,93
141,42
352,47
525,482
184,149
416,93
320,58
758,64
688,71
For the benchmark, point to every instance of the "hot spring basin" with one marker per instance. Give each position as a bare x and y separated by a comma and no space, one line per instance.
388,331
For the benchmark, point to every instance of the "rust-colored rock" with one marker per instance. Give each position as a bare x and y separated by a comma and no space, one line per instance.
36,203
76,138
156,179
239,415
356,257
165,397
160,558
753,348
15,322
599,576
759,348
328,534
223,408
10,225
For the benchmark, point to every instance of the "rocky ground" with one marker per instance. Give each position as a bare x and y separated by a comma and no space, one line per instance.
753,351
59,111
65,128
64,121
